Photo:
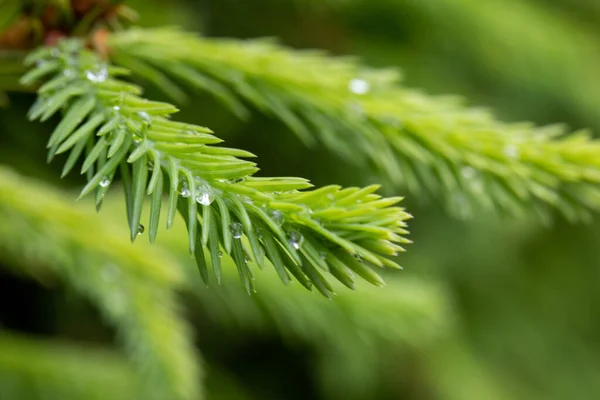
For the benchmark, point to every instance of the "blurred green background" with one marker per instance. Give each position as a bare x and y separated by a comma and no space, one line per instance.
520,302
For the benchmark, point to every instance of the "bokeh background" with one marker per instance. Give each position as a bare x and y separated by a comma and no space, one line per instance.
486,308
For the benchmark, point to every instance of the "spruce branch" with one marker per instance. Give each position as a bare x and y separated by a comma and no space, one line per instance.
132,288
431,144
411,313
301,232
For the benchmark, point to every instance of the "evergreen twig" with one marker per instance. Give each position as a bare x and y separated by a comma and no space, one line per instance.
303,233
433,144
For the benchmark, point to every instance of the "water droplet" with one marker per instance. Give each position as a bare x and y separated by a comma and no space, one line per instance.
468,172
140,229
145,118
259,233
475,180
137,137
357,257
184,191
105,182
247,200
331,197
359,86
511,151
190,132
97,76
318,221
69,73
277,217
323,255
236,230
116,108
296,239
220,254
205,195
40,63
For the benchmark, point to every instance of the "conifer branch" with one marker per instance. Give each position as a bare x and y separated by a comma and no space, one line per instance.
433,144
132,288
302,233
408,312
537,49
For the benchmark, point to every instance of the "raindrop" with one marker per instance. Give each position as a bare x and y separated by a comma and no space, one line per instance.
116,108
140,229
137,137
511,151
468,172
296,239
475,180
331,197
247,200
97,76
323,255
205,195
259,233
145,118
69,73
277,217
359,86
236,230
190,132
220,254
185,191
105,182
